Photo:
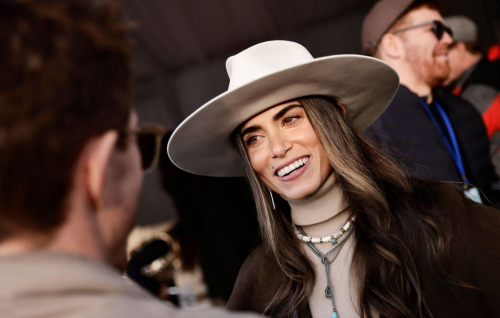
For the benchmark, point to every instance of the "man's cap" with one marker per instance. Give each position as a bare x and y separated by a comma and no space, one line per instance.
464,29
380,18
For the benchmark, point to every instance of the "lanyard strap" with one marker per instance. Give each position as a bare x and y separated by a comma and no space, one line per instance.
453,148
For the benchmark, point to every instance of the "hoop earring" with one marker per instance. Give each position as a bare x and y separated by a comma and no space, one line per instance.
272,199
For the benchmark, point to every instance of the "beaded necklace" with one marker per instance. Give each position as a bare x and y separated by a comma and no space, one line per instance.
333,238
324,259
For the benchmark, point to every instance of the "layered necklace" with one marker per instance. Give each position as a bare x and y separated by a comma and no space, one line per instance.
337,239
333,238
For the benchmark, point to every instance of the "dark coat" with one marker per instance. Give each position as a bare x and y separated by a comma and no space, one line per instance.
407,133
477,262
480,85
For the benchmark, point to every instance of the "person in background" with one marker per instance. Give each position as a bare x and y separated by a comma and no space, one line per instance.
476,77
434,134
71,152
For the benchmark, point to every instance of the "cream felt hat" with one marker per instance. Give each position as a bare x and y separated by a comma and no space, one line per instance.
268,74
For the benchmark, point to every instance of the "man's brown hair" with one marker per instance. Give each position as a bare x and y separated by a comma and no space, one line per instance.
64,79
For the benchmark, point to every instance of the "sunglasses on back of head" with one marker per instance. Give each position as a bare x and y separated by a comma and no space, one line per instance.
149,142
438,28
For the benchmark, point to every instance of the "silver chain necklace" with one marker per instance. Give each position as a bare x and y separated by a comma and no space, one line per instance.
324,259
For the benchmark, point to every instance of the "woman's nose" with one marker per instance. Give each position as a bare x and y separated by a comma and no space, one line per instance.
279,145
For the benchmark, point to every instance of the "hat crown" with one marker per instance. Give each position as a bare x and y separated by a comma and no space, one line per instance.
264,59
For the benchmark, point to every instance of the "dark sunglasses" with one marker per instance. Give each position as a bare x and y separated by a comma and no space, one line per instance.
438,28
149,143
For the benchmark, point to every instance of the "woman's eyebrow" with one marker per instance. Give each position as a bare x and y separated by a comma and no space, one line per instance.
282,112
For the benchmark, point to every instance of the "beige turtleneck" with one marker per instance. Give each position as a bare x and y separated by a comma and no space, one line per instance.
318,215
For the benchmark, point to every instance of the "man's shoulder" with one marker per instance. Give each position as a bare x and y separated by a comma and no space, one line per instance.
404,96
120,305
405,103
403,113
124,306
69,284
59,285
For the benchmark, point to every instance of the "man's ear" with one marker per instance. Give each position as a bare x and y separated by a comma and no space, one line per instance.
97,163
391,45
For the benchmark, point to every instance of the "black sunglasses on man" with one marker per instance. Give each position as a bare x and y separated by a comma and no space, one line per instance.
149,143
438,28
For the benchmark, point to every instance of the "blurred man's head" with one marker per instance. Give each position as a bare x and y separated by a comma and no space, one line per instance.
465,50
65,123
415,42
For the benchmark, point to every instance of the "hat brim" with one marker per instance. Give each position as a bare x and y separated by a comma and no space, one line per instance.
202,144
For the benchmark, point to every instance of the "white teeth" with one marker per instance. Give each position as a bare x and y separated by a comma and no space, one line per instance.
291,167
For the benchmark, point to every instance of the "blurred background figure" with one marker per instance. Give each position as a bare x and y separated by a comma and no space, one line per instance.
70,168
434,134
154,260
71,153
475,76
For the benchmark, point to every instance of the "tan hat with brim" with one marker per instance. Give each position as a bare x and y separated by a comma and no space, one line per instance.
268,74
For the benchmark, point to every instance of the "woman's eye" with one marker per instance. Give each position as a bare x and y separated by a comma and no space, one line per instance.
290,119
251,140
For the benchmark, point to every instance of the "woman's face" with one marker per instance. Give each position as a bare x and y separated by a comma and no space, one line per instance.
285,152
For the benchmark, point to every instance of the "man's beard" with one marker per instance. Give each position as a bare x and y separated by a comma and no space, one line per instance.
438,73
431,71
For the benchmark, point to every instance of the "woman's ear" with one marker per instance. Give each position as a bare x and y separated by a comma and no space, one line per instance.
101,149
391,46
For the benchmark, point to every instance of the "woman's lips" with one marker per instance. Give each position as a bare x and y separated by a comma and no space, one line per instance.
292,165
296,173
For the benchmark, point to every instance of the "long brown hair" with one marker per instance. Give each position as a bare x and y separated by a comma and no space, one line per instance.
395,215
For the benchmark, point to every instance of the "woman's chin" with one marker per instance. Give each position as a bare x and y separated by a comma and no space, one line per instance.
298,194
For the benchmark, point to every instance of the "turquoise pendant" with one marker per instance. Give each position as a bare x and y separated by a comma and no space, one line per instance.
335,315
334,241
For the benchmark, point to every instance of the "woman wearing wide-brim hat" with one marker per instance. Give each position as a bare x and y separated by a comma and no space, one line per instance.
345,233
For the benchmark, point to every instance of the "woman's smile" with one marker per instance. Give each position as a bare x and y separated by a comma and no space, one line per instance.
292,171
